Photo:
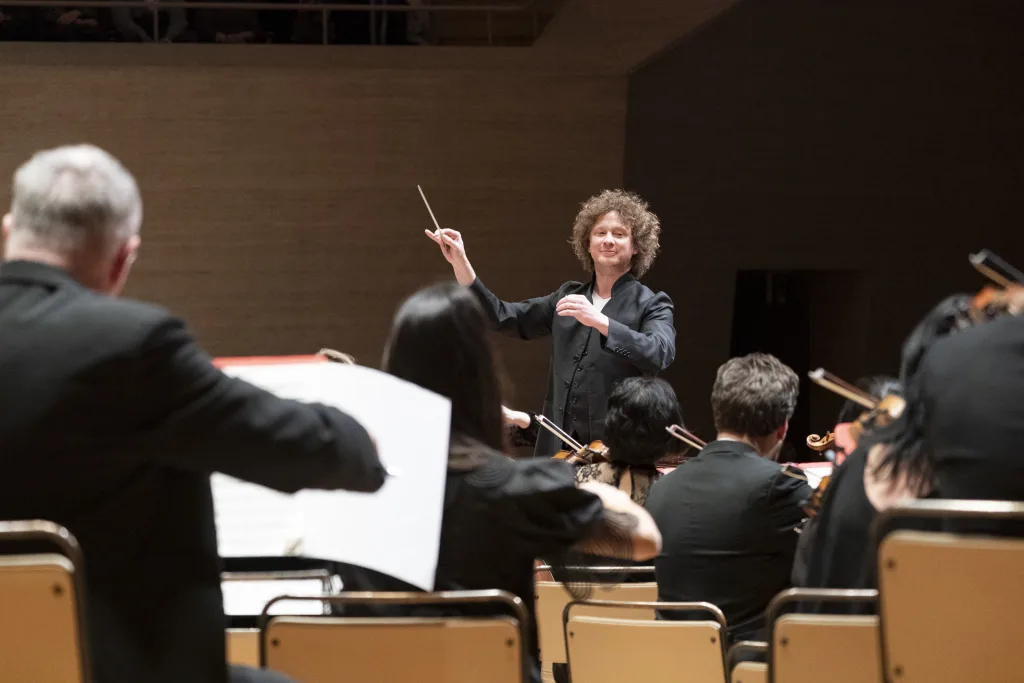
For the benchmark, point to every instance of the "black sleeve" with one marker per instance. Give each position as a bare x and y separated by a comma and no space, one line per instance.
209,422
786,499
652,348
526,319
541,507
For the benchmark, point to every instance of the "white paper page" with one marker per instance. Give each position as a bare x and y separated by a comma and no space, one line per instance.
253,521
246,598
395,530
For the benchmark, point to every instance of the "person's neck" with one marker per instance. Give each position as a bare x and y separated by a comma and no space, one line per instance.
763,446
605,279
87,275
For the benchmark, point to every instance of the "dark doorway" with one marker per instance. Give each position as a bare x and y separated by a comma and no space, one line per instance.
807,319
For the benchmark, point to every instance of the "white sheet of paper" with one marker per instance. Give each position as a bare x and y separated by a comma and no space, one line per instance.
396,530
245,598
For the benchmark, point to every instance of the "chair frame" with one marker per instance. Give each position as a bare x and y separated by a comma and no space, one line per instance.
601,570
791,595
714,611
513,602
944,510
755,646
22,531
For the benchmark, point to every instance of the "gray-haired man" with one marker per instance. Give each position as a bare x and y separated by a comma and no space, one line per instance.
112,419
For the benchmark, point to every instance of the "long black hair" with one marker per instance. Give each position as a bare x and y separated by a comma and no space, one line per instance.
909,453
439,340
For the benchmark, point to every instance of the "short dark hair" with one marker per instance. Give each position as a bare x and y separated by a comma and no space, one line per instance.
440,341
754,395
639,410
878,386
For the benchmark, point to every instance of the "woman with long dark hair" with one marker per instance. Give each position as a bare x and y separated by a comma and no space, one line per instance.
500,514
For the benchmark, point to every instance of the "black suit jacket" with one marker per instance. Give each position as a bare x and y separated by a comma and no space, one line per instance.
586,365
111,422
727,521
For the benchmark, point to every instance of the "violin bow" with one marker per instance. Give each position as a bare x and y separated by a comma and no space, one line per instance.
559,432
996,269
686,436
837,386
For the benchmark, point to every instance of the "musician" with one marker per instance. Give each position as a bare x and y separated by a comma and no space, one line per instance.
499,513
602,330
728,516
891,465
639,411
112,420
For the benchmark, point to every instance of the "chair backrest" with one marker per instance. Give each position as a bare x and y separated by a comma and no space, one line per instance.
605,649
243,646
951,604
396,650
41,603
467,649
806,648
746,662
552,597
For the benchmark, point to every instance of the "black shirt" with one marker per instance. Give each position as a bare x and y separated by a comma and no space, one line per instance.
586,365
839,543
727,520
111,421
973,387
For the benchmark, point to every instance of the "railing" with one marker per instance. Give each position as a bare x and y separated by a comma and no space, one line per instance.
374,9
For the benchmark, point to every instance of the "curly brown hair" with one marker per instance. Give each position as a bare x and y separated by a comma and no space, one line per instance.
643,224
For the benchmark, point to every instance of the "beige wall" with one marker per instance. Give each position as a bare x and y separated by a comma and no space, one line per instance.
281,211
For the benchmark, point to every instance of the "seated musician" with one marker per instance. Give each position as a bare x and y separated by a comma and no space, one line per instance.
639,410
499,513
855,503
891,464
112,420
729,516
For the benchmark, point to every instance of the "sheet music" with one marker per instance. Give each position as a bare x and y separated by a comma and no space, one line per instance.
396,530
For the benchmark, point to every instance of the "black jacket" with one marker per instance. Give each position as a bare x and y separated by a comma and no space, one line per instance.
586,365
727,520
111,421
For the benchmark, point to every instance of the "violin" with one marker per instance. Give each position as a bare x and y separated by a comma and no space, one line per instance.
821,443
878,413
578,454
1004,297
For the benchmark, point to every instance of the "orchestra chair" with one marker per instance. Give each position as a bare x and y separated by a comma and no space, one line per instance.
242,640
42,605
749,670
802,646
463,649
551,597
950,600
609,649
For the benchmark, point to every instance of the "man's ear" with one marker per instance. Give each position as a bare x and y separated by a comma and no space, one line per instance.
121,266
7,226
782,431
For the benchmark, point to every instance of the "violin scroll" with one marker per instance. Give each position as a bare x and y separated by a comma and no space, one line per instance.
821,443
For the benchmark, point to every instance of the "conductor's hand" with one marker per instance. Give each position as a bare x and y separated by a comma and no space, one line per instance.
579,307
452,246
454,250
